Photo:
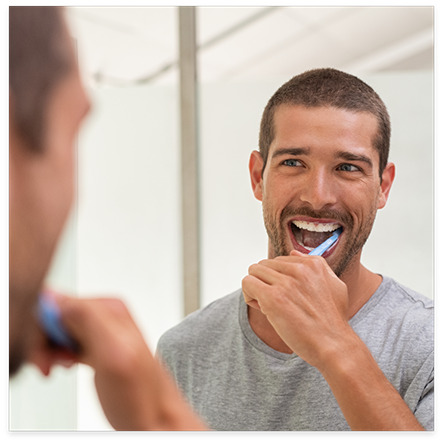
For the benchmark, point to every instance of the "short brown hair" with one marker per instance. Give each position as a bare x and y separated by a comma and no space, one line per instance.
333,88
39,58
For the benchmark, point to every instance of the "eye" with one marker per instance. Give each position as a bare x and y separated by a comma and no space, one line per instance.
348,168
291,162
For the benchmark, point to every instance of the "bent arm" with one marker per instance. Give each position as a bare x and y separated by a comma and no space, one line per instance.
367,399
307,305
134,390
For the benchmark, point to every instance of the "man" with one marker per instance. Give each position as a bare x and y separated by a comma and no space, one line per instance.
47,104
309,342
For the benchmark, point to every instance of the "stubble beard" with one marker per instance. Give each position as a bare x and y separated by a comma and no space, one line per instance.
278,236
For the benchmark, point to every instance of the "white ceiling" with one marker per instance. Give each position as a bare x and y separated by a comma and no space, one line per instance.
120,45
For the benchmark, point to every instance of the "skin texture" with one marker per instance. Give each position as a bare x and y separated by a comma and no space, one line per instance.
135,392
322,167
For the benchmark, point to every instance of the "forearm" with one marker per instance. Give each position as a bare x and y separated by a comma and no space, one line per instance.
367,399
142,397
308,307
135,391
173,413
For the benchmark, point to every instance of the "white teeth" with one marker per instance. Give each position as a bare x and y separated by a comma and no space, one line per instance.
316,227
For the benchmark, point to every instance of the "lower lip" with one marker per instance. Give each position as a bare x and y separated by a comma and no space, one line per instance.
303,250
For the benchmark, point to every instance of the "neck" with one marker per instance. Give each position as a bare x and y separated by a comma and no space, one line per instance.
361,284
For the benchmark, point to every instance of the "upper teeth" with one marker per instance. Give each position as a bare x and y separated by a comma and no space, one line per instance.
316,227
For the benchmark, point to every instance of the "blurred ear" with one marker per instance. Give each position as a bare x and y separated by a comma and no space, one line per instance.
255,173
387,179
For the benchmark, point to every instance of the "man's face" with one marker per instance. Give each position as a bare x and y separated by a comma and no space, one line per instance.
321,174
41,194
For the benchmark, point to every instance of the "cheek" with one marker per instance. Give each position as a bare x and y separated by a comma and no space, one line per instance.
271,203
366,209
280,193
63,147
60,187
67,185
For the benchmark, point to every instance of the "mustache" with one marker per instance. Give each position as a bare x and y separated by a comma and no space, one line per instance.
343,217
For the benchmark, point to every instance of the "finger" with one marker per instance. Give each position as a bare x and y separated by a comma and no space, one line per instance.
45,360
284,265
266,273
294,257
45,356
254,304
106,332
306,258
88,321
312,260
82,315
253,289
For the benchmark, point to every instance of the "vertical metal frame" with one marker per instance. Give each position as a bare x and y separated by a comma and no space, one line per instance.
189,159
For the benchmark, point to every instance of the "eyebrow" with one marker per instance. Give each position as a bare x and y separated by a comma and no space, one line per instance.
291,151
344,155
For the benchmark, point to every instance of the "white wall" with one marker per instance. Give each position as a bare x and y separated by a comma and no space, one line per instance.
129,214
402,244
128,227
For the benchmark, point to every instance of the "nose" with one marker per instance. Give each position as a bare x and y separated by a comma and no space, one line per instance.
318,190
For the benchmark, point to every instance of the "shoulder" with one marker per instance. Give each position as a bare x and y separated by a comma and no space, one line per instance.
417,318
409,296
397,314
397,317
394,303
409,346
203,325
408,305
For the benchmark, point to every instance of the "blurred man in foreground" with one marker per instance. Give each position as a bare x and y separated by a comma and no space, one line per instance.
46,107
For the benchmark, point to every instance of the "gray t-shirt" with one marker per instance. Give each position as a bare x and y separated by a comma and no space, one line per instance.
235,382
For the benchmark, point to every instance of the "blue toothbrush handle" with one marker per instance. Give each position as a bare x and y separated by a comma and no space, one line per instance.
49,317
320,250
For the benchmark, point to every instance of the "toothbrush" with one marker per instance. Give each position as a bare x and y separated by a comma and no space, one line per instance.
49,318
320,250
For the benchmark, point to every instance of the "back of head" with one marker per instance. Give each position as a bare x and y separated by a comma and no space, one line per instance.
331,88
38,59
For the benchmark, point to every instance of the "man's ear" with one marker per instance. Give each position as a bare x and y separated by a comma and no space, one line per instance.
255,173
387,179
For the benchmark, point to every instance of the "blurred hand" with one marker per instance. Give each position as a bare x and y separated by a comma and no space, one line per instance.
134,390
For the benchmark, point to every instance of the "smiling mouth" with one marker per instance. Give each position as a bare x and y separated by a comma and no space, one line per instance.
309,235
